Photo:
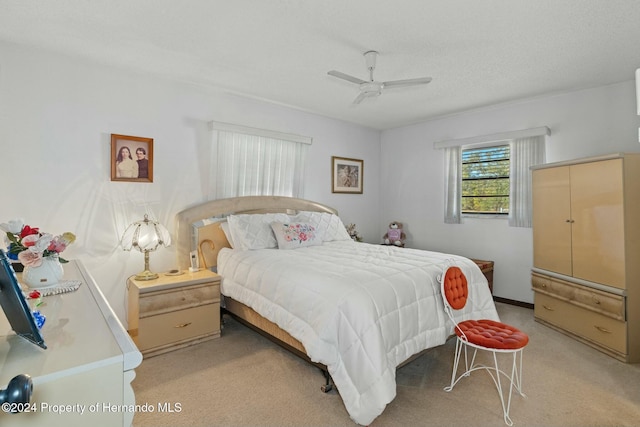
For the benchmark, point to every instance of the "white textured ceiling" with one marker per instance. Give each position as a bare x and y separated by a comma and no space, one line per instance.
479,53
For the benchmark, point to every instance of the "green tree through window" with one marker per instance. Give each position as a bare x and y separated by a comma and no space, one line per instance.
485,180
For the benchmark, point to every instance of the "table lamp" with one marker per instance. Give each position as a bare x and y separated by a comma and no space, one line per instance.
146,236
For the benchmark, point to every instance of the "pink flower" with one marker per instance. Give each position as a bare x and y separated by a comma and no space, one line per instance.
58,244
30,259
30,240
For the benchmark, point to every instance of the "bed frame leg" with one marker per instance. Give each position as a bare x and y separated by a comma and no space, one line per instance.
328,385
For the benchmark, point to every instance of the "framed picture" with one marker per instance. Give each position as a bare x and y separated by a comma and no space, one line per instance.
131,158
346,175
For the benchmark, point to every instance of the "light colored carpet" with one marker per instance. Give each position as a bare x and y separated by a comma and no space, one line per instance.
242,379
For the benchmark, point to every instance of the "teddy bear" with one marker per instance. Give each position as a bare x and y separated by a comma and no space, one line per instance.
395,235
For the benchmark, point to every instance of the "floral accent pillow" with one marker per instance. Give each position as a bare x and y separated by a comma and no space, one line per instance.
295,235
329,226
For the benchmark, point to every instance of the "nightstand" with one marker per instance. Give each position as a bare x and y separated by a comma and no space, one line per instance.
173,311
487,269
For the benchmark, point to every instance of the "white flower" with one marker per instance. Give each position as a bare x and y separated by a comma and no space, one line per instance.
42,243
14,226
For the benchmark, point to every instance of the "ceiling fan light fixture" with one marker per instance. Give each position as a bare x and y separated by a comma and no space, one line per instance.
372,87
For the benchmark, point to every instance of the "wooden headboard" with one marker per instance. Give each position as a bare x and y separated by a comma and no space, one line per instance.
210,237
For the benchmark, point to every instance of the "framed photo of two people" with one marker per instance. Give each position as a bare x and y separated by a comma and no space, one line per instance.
131,158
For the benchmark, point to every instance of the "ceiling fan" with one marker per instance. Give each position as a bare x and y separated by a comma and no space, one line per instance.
371,87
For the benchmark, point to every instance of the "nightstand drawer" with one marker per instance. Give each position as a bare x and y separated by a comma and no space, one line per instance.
587,324
173,311
157,302
176,326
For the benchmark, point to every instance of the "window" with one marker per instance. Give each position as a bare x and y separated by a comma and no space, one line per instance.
485,180
520,150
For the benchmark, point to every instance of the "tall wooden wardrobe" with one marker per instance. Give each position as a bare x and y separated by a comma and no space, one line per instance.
586,249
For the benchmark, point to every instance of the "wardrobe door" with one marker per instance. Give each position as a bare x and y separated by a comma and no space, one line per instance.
552,220
598,222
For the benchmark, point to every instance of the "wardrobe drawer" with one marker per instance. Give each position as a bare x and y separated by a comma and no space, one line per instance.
585,323
176,326
601,302
157,302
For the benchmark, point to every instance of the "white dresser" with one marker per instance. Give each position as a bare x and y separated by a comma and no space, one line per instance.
84,376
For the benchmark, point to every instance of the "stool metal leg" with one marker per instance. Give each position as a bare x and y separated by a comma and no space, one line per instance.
456,361
515,379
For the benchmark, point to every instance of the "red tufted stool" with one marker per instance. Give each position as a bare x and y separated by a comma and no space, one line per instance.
489,335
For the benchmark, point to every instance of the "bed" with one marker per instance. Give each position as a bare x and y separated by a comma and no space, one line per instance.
356,310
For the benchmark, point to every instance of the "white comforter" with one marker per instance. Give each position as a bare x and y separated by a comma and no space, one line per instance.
358,308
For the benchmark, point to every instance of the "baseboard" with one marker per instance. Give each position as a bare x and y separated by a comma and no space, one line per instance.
513,302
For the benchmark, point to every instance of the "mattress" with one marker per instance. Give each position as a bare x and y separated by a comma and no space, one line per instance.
358,308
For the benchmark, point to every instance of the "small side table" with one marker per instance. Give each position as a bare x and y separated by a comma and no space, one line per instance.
173,311
487,269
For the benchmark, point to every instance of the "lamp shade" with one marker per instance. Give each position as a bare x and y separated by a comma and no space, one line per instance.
146,236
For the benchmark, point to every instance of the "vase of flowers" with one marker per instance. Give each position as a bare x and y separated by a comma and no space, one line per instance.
39,252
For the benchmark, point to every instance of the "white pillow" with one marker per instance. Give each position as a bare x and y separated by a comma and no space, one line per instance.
328,225
253,231
295,235
227,232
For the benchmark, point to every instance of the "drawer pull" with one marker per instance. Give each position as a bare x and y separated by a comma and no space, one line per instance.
184,325
595,299
546,307
601,329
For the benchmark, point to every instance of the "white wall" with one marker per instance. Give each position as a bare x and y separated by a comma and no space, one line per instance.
56,117
57,114
583,124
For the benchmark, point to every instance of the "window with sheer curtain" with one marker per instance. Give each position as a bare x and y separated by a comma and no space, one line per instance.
525,148
256,162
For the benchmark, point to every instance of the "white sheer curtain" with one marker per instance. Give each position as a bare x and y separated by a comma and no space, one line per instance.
452,184
525,152
527,148
250,164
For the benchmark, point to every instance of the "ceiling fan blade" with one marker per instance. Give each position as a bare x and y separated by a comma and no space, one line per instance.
346,77
360,97
407,82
